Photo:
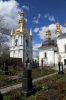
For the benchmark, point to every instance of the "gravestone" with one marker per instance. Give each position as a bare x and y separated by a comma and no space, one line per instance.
59,67
27,83
60,71
1,96
6,67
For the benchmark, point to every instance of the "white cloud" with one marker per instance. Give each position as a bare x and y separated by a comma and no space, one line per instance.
11,11
46,15
25,7
52,27
36,19
36,30
51,18
39,15
36,46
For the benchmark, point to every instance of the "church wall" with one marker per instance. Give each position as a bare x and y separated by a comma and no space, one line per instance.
50,57
41,55
16,54
11,54
56,58
61,43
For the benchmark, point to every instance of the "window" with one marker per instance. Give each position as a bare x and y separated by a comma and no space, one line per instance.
45,55
26,42
65,48
16,42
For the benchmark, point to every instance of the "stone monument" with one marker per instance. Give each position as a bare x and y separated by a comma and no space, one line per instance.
27,88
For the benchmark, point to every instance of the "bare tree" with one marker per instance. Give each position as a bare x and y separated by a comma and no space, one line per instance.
3,31
5,51
3,25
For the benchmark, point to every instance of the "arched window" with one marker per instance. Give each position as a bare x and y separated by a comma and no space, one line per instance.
16,42
65,48
26,42
45,55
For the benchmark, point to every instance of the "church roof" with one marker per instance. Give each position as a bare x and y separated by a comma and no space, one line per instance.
49,43
64,34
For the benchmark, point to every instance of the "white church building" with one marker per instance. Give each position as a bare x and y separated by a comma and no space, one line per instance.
53,51
21,41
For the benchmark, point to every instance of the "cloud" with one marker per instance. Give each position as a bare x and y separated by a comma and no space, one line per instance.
36,30
25,7
36,19
50,17
11,11
46,15
42,31
36,46
39,15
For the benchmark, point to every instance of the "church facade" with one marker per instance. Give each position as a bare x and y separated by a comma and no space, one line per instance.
53,51
21,41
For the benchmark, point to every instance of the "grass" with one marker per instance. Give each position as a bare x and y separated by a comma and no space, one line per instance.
50,88
7,79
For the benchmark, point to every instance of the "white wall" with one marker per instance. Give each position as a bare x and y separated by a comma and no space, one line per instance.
61,42
50,57
56,58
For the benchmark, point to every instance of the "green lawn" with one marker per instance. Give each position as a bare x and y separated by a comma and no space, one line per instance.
50,88
7,79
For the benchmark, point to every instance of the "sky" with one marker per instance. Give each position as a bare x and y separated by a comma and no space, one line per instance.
40,15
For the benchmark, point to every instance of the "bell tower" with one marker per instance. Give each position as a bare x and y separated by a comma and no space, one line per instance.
21,40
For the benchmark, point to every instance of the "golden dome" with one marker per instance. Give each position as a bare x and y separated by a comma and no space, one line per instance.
48,34
22,14
18,30
22,21
25,31
58,30
57,25
22,24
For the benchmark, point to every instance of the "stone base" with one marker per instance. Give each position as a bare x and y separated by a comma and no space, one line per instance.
6,72
26,94
61,72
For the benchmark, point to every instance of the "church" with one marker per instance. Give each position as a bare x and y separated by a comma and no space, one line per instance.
21,41
53,51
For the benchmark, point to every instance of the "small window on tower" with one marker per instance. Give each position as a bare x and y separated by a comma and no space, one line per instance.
16,42
26,42
65,48
45,55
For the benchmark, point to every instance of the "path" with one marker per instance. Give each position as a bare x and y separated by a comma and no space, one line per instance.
56,67
9,88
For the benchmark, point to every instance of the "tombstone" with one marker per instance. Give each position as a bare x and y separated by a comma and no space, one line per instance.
0,63
1,96
27,88
42,62
6,67
27,61
62,68
59,67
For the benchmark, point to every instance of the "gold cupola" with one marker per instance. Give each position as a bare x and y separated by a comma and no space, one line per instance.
58,30
48,34
22,24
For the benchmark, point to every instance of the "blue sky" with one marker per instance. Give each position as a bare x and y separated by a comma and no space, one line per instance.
40,15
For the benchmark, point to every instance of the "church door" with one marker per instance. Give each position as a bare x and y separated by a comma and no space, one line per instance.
64,61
